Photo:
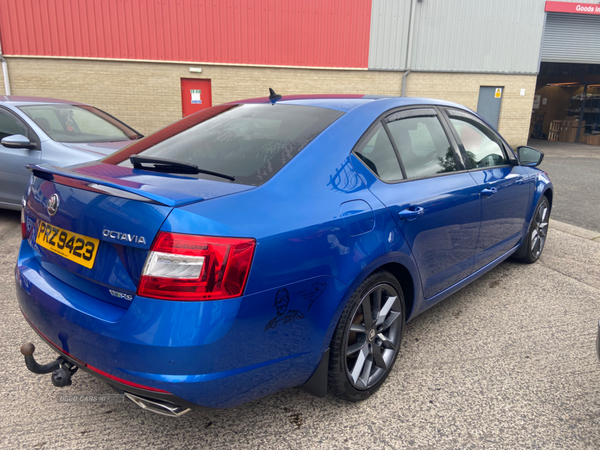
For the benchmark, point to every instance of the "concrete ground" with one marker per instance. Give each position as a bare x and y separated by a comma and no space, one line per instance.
575,171
507,362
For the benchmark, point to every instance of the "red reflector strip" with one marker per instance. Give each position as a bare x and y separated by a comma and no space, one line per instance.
48,340
128,383
94,369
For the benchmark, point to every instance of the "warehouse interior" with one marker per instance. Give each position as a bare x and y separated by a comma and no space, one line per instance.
566,105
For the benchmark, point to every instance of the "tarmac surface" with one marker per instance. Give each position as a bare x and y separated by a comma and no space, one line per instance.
507,362
575,172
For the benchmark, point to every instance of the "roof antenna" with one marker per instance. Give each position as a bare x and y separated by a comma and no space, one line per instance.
273,96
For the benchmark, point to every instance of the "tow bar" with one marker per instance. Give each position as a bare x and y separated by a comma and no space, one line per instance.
61,369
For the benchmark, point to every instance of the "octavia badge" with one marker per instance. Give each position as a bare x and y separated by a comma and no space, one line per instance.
52,205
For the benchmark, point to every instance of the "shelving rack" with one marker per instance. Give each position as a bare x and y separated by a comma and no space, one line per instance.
591,114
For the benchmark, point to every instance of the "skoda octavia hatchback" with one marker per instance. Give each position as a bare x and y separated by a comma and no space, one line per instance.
262,245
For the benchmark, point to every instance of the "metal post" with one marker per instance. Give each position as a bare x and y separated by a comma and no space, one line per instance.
581,114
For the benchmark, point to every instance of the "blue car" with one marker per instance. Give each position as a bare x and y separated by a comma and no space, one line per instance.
267,244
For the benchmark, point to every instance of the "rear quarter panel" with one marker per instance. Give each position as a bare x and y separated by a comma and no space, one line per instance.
303,246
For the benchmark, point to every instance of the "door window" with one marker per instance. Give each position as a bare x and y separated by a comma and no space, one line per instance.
423,145
482,148
378,154
10,125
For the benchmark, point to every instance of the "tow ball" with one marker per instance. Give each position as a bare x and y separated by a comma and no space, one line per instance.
61,369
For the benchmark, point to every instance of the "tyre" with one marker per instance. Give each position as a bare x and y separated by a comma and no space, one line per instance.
536,236
367,338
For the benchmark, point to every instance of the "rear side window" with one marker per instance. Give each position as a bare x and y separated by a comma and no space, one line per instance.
378,154
423,146
250,142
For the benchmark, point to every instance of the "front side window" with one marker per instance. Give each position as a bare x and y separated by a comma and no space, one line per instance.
378,154
78,123
481,146
423,146
250,142
9,125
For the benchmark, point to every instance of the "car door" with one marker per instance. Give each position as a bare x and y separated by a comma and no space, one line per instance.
423,183
505,187
14,177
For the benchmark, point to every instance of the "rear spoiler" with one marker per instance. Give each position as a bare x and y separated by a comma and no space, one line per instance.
111,185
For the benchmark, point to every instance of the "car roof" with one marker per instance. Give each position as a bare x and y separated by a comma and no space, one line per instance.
347,102
24,100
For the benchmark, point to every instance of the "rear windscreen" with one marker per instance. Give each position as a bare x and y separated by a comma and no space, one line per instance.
250,142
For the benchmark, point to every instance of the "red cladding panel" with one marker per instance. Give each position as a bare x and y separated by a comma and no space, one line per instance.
317,33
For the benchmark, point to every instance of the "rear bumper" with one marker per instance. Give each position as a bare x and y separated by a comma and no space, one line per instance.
121,388
214,354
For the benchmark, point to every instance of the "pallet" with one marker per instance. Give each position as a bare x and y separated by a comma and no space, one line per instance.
554,132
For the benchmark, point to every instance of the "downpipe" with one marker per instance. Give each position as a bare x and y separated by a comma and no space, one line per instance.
411,29
5,75
404,82
5,72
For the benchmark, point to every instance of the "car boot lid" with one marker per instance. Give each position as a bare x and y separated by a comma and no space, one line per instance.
139,184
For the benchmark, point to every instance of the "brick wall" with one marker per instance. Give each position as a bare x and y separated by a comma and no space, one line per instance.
463,88
147,96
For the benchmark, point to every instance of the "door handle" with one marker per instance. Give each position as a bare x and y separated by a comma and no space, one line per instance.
411,213
489,192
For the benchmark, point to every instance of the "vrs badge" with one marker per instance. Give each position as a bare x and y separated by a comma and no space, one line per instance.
52,206
120,295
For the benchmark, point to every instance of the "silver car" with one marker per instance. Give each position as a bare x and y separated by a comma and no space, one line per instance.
45,130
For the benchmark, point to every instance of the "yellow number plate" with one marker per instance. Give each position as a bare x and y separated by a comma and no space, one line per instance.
75,247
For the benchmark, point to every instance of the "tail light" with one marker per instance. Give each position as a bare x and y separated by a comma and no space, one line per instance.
196,268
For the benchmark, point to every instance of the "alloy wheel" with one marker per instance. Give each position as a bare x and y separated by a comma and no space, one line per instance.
540,230
373,337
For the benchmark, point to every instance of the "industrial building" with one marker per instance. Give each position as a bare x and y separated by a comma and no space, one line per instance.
529,67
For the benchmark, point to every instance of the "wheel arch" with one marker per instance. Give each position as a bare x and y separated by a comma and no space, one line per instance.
548,193
543,187
541,191
402,267
406,282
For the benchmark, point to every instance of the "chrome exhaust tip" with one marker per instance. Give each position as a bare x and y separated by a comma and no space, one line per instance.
158,406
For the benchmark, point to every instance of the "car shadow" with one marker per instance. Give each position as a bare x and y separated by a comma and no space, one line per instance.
9,216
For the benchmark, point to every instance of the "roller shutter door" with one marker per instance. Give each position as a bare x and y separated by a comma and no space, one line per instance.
572,38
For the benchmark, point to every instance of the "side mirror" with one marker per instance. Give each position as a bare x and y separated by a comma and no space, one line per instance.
16,141
529,156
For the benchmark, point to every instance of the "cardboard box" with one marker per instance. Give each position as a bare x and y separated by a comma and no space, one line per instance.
573,132
564,133
593,139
